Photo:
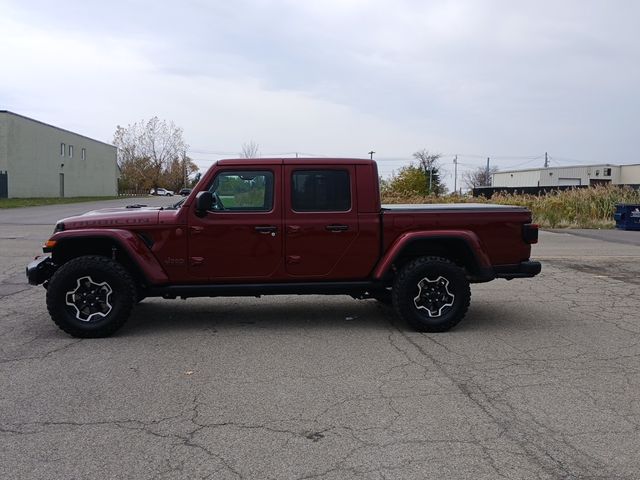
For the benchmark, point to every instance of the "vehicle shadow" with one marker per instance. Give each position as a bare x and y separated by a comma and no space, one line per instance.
266,314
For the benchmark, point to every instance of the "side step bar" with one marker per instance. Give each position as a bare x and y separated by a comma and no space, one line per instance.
258,289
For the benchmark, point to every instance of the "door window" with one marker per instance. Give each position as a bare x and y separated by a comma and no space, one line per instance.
243,191
320,191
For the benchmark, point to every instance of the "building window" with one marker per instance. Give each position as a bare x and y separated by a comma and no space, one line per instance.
70,151
63,148
83,154
321,191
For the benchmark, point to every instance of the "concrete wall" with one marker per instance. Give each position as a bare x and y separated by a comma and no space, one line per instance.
34,160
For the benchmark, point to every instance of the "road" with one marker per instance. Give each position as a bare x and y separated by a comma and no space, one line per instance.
541,380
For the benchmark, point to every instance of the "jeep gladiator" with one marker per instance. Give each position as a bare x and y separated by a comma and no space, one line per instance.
256,227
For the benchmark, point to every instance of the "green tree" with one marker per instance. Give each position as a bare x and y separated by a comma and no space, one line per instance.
421,179
430,166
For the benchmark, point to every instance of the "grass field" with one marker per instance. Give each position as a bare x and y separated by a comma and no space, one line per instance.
576,208
34,202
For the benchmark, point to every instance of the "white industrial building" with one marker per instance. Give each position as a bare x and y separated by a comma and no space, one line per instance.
40,160
567,176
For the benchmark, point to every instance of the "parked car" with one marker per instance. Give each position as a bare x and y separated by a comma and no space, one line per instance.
282,226
185,191
162,192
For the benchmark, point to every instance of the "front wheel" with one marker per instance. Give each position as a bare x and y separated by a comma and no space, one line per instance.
90,296
432,294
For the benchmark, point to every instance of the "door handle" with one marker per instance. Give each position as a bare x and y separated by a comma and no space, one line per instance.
266,229
337,228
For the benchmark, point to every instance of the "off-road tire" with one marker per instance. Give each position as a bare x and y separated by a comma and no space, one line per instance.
100,270
450,286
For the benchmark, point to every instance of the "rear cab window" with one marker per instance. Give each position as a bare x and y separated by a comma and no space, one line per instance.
320,191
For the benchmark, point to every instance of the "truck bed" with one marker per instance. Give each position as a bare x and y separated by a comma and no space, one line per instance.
497,227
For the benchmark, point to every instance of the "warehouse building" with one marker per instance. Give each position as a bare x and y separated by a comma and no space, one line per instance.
40,160
568,176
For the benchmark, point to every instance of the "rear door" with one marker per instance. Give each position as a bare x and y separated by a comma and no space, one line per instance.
321,219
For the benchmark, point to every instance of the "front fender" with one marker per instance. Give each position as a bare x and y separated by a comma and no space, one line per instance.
128,241
469,238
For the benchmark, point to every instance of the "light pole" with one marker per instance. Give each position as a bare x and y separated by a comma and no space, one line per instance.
371,154
455,174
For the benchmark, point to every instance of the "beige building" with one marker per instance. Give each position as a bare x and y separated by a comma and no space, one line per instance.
40,160
567,176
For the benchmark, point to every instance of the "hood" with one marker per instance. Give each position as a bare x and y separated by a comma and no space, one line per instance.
113,218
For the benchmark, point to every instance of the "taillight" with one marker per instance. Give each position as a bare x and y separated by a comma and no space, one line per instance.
530,232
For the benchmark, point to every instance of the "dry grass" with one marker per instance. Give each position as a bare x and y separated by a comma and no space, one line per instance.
576,208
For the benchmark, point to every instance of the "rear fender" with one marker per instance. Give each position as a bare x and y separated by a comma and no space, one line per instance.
130,243
482,264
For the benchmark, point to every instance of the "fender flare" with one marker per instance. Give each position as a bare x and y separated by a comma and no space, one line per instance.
128,241
469,238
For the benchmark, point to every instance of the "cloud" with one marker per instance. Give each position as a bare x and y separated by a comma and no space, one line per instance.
336,77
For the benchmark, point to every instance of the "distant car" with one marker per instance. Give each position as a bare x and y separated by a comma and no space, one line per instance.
162,192
185,191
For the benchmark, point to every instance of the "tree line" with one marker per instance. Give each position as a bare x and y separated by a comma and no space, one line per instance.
153,154
424,177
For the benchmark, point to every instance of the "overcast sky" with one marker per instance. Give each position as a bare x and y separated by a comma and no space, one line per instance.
505,79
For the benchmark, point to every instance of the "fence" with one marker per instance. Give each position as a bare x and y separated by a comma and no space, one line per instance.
133,193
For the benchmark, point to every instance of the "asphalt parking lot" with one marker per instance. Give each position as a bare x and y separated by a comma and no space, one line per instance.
540,381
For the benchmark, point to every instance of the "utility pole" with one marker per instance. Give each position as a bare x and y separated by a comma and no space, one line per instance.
455,174
371,154
546,160
486,180
184,168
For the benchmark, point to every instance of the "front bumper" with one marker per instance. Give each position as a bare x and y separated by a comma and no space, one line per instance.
519,270
40,270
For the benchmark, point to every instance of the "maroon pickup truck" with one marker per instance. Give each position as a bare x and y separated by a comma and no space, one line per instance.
282,226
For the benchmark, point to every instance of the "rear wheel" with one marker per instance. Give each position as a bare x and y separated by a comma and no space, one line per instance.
90,296
432,294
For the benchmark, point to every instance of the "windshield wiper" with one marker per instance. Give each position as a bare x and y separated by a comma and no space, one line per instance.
175,206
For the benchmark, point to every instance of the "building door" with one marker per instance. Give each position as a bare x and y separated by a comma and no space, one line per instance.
62,185
4,185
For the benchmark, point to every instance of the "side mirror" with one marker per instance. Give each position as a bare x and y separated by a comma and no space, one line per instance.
204,202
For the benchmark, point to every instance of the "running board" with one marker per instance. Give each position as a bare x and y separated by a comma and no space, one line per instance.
258,289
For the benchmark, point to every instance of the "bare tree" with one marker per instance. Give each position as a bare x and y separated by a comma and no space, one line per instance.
250,150
478,177
146,150
431,168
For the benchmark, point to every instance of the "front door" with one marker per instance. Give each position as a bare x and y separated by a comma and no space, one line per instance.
321,219
240,237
